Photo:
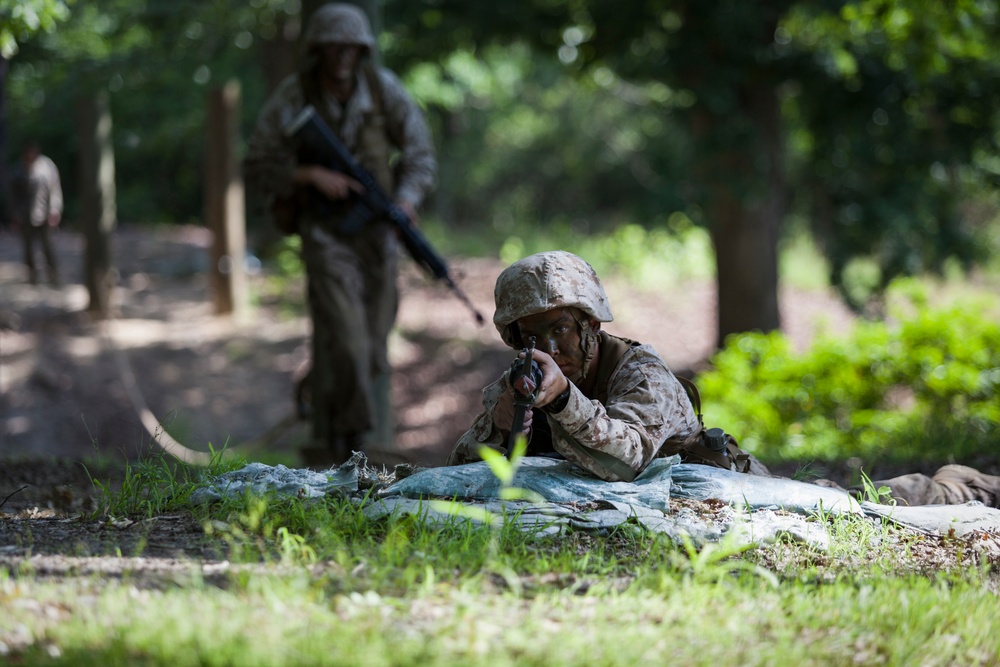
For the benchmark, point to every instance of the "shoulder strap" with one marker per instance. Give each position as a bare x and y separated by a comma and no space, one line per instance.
692,447
692,391
377,90
613,349
374,87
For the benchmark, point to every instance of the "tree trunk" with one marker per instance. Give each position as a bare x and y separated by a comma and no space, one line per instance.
224,207
4,182
746,206
98,213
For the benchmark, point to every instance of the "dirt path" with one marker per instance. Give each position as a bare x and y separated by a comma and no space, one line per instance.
212,380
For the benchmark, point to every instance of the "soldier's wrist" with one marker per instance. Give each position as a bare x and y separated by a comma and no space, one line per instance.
559,403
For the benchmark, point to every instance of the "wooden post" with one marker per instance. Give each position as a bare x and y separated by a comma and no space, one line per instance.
98,213
225,212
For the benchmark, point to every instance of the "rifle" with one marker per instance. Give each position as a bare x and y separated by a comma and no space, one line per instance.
312,131
525,379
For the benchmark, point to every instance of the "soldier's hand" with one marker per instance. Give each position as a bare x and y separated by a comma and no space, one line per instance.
554,382
503,415
331,184
410,210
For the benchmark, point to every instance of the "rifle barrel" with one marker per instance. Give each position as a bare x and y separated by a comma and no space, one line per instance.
340,159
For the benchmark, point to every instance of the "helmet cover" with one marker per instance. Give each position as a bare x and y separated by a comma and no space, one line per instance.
545,281
339,23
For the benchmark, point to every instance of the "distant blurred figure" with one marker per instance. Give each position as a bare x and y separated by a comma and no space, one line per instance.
37,204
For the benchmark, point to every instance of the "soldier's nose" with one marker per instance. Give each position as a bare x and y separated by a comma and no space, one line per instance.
553,349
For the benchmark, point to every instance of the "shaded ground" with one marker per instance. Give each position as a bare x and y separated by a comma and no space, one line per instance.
209,379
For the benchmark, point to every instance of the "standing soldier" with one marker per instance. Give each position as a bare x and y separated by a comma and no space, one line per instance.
351,274
37,203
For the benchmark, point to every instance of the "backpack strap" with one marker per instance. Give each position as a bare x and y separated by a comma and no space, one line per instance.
694,448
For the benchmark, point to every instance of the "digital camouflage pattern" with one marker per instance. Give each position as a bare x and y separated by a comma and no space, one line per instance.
545,281
950,485
644,405
351,277
271,158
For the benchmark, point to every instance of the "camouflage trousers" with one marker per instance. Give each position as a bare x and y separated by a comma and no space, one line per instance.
353,301
950,485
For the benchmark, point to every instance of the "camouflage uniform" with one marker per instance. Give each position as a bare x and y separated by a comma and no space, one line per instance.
642,403
36,194
351,275
950,485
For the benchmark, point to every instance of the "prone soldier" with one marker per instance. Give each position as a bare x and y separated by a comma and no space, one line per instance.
610,404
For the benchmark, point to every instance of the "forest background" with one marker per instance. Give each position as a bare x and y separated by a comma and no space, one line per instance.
826,145
707,137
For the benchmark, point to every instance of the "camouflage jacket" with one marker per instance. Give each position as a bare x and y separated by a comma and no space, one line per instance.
645,405
271,158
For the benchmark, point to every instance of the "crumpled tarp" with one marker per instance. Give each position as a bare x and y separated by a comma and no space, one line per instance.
260,479
574,498
700,482
545,518
561,481
554,480
941,519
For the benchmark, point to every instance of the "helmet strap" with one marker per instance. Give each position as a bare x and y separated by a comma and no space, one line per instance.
588,343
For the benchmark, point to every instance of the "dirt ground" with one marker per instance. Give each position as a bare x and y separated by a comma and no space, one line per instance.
67,414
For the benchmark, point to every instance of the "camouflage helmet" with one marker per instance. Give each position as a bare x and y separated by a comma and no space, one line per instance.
339,23
545,281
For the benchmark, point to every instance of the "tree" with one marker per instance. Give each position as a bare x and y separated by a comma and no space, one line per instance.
744,76
902,121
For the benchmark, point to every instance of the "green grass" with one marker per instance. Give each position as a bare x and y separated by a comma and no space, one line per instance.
302,619
319,583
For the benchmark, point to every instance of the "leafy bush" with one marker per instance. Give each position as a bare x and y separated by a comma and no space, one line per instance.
924,383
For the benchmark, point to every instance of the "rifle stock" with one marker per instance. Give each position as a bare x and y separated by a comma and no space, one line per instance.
311,130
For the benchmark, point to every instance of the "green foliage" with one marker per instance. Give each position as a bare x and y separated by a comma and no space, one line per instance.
896,129
505,469
120,46
716,562
600,151
590,121
21,19
300,619
648,256
889,110
407,591
881,495
925,383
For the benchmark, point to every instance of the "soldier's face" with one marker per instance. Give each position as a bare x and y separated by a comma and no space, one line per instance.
341,60
556,333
